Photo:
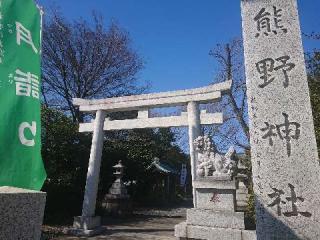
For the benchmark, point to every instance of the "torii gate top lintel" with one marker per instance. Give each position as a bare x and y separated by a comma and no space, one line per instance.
143,103
151,100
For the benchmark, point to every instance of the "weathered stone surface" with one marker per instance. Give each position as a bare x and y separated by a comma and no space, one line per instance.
21,213
241,197
286,169
194,131
216,182
180,230
86,226
85,232
86,223
117,202
90,195
214,216
217,199
183,230
211,163
218,219
159,122
153,100
215,192
248,235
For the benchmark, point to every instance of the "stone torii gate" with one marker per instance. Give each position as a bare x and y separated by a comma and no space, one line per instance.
87,223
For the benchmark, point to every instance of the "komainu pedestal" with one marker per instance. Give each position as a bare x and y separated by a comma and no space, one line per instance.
215,215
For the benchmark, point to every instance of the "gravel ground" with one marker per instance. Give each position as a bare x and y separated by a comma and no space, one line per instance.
176,212
148,224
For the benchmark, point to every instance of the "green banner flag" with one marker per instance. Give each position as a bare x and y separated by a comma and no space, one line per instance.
20,150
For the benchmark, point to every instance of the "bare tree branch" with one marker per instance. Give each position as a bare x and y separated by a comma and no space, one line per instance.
82,60
235,129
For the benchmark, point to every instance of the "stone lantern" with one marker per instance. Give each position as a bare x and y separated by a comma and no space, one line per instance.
117,202
118,171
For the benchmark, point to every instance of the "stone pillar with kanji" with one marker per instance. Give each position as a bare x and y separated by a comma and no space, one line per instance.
285,164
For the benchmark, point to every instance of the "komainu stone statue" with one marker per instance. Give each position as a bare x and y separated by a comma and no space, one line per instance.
220,197
210,162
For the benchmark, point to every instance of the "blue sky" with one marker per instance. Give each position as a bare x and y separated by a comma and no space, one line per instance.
175,36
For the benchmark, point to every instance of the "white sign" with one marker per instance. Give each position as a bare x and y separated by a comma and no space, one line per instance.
183,174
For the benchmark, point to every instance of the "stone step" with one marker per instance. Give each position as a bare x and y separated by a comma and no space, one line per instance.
186,231
242,197
219,219
242,191
241,209
242,202
241,205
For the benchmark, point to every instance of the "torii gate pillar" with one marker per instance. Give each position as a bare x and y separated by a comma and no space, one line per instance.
88,221
194,132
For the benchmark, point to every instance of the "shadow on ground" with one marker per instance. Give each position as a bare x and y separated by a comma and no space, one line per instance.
131,228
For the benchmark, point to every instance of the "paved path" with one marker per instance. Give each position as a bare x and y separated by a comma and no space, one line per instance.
136,228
